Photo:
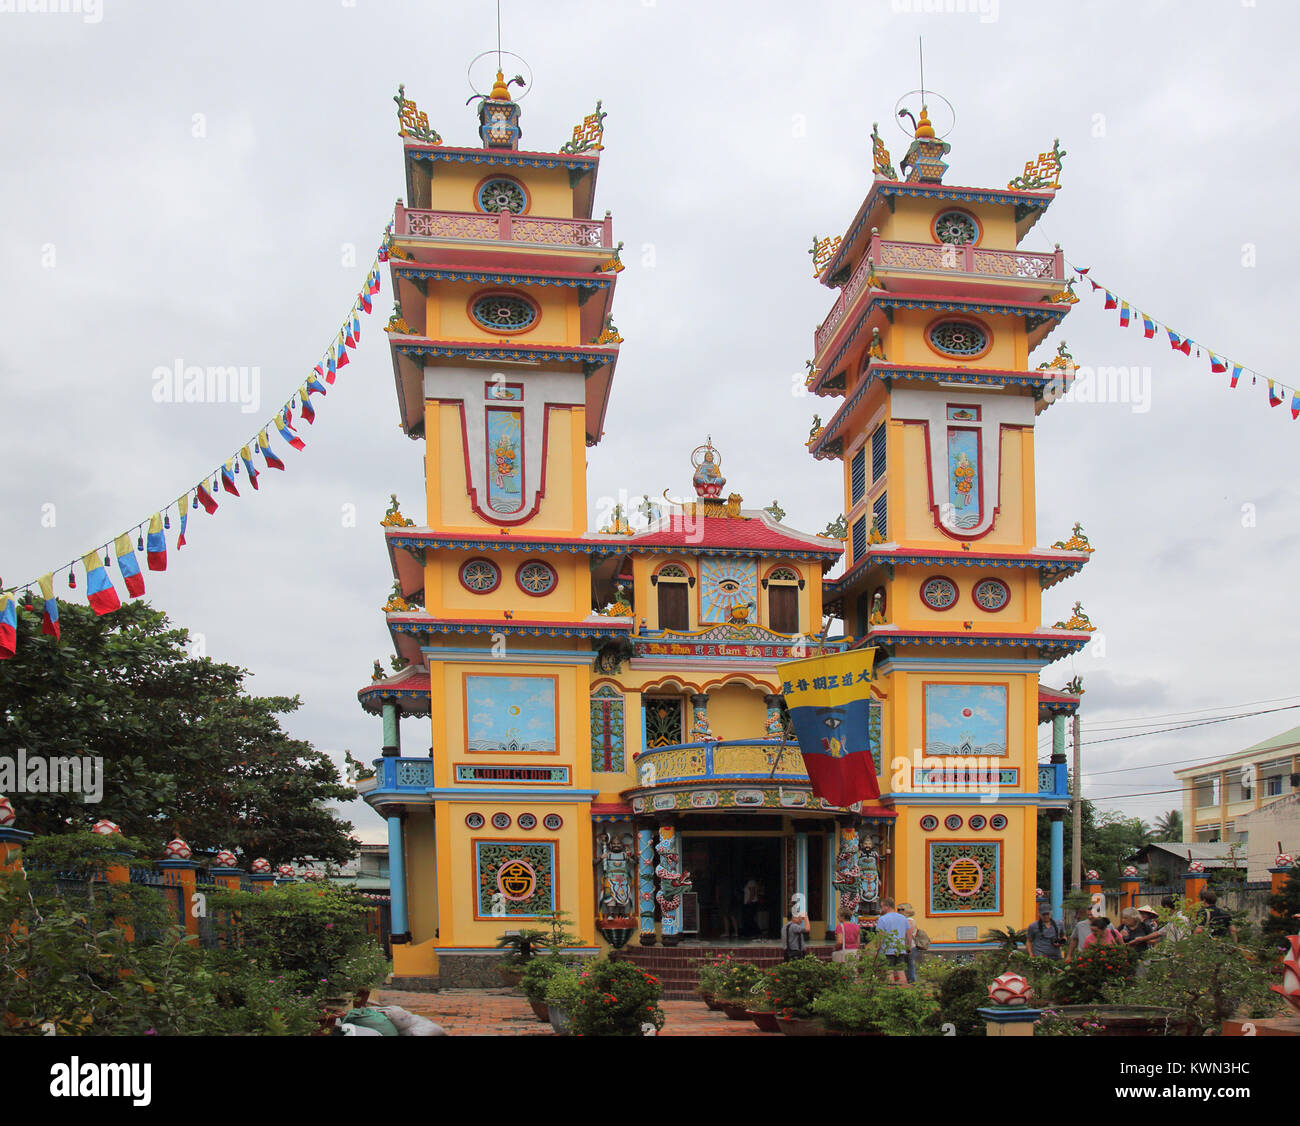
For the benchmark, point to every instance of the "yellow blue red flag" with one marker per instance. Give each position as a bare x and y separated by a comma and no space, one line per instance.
828,701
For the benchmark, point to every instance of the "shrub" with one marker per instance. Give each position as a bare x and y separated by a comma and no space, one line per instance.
526,944
713,974
607,998
793,986
538,974
1085,980
739,980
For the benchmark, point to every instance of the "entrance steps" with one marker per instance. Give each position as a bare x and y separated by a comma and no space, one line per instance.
676,970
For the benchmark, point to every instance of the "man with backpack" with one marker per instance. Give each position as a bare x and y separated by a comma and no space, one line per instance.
1044,938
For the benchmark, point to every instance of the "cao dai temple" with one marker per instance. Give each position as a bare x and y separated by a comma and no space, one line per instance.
592,722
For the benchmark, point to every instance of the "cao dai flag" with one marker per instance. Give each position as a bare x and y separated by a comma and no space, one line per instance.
356,328
1179,343
205,498
246,456
1218,364
1275,395
284,424
99,587
8,626
264,444
1124,313
183,507
1148,327
343,351
129,565
228,477
1236,375
1111,302
156,541
828,701
50,611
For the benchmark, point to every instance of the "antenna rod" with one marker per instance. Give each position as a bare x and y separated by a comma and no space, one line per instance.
920,50
498,34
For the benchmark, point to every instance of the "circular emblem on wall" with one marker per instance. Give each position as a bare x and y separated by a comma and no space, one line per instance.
552,821
991,594
502,194
516,879
965,877
474,820
536,577
527,821
503,312
482,576
501,821
952,822
938,593
956,228
997,821
929,822
977,822
964,339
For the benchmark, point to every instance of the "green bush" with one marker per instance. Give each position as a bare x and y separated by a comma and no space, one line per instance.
889,1010
713,974
538,974
792,987
739,981
1085,980
606,998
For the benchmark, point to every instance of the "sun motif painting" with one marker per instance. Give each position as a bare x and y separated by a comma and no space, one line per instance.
965,719
728,587
510,714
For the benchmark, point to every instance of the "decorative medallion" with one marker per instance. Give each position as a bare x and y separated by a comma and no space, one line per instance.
664,801
939,593
977,822
501,821
997,822
963,339
749,797
728,590
502,194
503,312
552,821
929,823
474,820
536,578
952,822
964,878
482,576
957,228
991,594
527,821
514,878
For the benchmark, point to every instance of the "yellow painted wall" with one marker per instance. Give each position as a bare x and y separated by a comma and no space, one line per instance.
912,221
907,610
908,335
455,187
563,510
446,595
558,317
736,712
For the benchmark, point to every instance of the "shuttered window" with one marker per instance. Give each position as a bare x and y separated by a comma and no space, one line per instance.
878,510
878,453
858,475
859,538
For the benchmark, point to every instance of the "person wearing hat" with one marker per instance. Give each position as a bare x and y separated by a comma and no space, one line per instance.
914,952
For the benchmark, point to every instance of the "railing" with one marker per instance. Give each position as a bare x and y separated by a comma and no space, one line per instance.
1052,779
926,257
505,227
405,773
745,758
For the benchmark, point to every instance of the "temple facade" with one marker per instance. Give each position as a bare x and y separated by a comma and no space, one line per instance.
604,710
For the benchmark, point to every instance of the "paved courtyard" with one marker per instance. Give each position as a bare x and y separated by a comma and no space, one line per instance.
503,1012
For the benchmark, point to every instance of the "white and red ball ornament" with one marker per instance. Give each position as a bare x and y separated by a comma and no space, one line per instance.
1290,987
1010,990
177,850
226,859
1130,871
7,814
261,865
1196,867
105,828
1282,860
1038,893
285,871
1093,874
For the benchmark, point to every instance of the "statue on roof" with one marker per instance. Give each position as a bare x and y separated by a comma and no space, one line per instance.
708,479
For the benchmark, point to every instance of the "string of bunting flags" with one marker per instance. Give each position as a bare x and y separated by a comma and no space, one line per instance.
150,536
1220,365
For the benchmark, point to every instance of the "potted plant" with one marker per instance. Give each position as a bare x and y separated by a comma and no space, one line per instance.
759,1009
536,977
563,996
605,998
738,981
523,945
792,987
712,975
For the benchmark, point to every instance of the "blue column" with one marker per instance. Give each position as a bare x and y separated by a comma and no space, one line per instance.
397,879
1058,864
801,868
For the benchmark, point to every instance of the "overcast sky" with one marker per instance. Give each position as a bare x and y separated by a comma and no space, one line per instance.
181,182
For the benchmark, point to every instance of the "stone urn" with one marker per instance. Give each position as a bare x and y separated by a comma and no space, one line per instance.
561,1021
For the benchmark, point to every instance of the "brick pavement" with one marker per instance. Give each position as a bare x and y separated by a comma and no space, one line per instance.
503,1012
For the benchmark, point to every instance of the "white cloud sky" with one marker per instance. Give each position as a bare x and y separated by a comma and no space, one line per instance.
735,133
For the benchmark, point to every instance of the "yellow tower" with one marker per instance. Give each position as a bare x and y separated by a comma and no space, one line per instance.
928,346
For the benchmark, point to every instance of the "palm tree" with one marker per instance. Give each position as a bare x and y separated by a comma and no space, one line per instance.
1169,826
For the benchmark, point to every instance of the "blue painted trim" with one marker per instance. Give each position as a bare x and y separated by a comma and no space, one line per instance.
1010,1016
397,876
543,792
1058,869
836,587
507,627
535,656
477,352
431,273
961,664
505,158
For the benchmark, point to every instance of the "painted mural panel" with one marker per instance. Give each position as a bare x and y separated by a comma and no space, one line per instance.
514,880
965,719
728,590
964,488
505,455
965,878
510,714
607,732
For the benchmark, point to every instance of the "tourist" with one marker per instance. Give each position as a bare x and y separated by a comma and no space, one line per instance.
892,927
1102,933
1134,930
729,901
1044,938
848,938
1176,926
794,935
762,916
749,907
914,950
1079,932
1214,918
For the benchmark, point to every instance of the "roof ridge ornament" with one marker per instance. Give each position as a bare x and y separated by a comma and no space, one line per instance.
412,121
881,164
707,463
1045,172
588,136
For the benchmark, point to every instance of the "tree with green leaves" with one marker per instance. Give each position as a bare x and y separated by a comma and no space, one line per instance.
1108,838
1169,826
185,750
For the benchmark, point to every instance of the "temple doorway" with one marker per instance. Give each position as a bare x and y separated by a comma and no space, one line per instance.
738,880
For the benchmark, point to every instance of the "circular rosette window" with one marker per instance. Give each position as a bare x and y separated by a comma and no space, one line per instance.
977,822
536,578
929,823
992,594
952,822
938,593
503,312
501,821
502,194
527,821
474,820
956,228
963,339
552,821
997,821
482,576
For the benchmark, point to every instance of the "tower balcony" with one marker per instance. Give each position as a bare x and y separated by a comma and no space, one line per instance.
938,268
583,244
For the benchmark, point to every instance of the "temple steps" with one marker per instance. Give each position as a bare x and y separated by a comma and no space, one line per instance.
675,969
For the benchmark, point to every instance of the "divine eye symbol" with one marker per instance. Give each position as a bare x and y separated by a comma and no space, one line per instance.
728,586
